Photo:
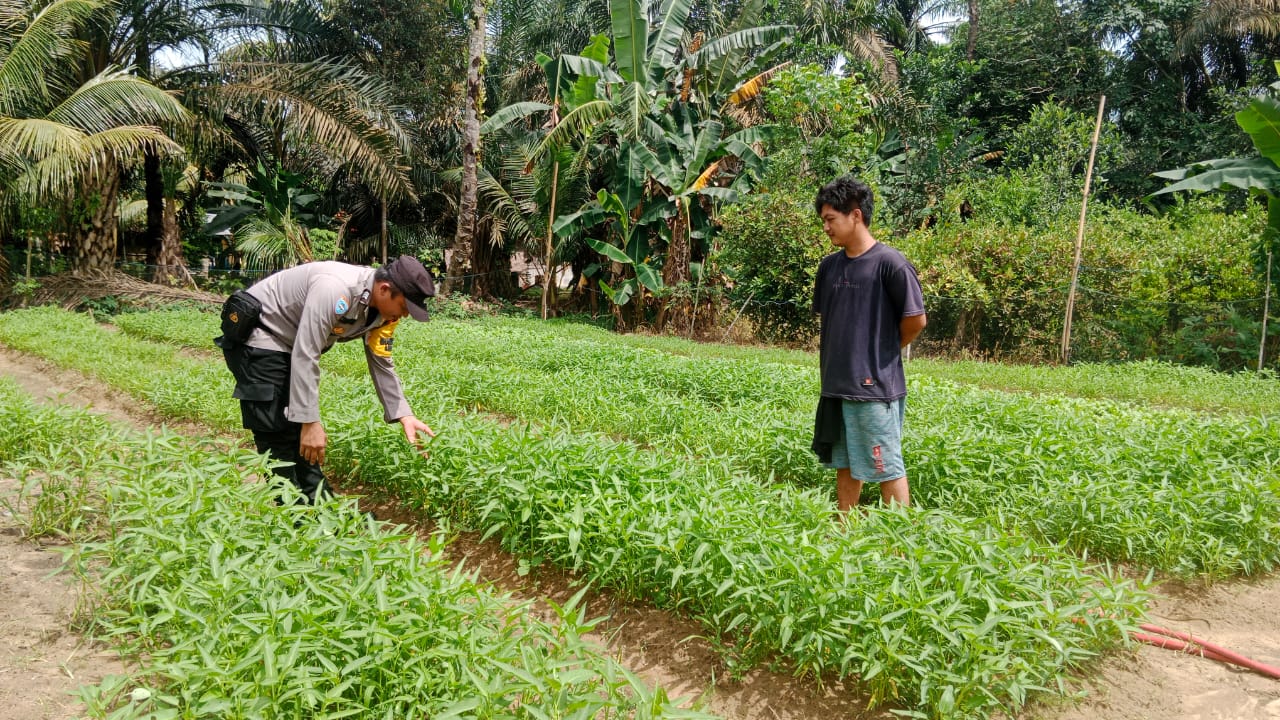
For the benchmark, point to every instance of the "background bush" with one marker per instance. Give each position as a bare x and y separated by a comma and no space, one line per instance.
1179,286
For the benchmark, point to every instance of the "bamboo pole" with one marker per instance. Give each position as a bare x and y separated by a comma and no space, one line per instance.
1266,310
1084,207
547,274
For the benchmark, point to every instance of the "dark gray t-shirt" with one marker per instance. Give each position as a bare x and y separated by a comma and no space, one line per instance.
861,302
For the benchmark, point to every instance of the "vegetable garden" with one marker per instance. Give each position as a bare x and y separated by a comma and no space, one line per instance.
678,476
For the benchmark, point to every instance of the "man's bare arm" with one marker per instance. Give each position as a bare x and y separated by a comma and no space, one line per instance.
910,327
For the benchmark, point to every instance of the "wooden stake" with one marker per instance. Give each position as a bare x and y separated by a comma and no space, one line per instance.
547,274
1084,207
1266,310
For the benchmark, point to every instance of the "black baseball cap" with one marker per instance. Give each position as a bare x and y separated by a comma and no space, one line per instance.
415,283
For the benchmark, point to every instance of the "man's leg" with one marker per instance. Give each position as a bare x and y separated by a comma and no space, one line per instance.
283,446
896,491
262,386
848,490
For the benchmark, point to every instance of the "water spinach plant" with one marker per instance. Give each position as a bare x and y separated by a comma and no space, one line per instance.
233,607
936,614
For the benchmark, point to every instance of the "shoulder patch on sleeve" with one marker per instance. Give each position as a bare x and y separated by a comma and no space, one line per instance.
341,306
380,339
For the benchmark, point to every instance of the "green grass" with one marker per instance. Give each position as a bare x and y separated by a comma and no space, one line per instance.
1141,383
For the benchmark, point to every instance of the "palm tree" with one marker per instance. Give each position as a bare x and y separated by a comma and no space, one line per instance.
277,118
69,123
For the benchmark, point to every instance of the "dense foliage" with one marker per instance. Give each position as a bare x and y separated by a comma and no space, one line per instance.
625,141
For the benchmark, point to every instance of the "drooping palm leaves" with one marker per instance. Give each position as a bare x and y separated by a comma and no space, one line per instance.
65,130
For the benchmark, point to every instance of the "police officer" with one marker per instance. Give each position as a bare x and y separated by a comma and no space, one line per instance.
273,336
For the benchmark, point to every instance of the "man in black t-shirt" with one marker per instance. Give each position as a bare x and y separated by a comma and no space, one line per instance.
869,300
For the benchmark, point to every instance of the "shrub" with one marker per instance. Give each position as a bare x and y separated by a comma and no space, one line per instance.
771,245
1179,287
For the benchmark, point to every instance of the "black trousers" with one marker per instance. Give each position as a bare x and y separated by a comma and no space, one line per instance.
262,387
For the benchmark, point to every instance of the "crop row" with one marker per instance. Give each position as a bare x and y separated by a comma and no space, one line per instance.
1144,382
937,614
1175,490
715,381
237,608
720,373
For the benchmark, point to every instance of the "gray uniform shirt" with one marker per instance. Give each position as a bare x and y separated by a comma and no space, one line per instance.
308,308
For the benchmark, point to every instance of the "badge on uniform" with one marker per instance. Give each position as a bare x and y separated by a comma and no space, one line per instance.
341,306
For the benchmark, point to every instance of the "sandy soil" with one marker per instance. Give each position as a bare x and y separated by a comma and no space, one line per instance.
44,661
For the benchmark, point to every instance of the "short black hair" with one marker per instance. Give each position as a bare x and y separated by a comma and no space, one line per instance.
844,194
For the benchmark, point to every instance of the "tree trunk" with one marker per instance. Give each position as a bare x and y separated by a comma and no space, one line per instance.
675,271
973,29
464,240
154,191
93,236
492,266
548,252
171,263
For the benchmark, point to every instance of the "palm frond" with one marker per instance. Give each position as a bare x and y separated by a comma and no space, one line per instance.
748,39
30,139
266,247
40,55
503,205
870,46
576,123
58,174
114,98
1237,18
332,105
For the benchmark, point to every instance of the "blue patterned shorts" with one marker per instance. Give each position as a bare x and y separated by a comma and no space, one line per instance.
871,445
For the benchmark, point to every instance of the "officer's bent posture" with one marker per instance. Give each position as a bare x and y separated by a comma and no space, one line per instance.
274,333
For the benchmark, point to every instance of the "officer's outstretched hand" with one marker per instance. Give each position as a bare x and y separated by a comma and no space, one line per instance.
413,426
311,446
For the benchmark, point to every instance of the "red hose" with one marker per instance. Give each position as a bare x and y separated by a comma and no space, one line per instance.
1174,640
1169,643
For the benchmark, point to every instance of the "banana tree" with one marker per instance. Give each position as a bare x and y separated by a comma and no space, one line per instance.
570,81
658,117
1259,175
622,247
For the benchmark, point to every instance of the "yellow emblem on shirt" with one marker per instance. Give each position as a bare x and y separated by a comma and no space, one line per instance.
380,339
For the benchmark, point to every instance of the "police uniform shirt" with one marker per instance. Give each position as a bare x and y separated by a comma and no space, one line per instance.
308,308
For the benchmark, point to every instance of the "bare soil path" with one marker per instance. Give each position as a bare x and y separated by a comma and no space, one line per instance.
42,661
